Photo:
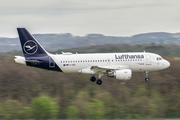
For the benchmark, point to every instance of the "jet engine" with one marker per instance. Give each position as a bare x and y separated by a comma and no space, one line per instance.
124,74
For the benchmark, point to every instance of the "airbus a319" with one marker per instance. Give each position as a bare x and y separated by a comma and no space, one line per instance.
117,65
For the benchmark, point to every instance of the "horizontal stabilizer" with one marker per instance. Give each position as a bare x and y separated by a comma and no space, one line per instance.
20,60
33,61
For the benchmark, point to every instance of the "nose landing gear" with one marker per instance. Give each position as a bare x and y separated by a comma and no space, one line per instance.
146,76
146,79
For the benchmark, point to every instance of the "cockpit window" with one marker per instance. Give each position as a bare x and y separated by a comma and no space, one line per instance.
159,58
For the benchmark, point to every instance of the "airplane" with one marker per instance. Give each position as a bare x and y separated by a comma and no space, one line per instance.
117,65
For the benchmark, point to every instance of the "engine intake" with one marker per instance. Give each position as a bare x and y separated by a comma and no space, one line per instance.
124,74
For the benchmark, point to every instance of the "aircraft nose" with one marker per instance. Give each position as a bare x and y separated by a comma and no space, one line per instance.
167,64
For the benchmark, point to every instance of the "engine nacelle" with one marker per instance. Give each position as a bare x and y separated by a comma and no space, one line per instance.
124,74
20,60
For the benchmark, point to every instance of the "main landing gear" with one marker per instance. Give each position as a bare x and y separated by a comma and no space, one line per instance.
93,78
146,75
98,81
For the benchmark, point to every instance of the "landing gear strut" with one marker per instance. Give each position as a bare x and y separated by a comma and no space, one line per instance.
146,75
99,81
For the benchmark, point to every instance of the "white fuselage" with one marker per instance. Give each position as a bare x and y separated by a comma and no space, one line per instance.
74,63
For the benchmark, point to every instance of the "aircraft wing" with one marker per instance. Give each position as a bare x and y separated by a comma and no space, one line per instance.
111,67
102,69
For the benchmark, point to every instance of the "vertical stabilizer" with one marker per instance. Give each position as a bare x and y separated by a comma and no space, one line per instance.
30,46
34,54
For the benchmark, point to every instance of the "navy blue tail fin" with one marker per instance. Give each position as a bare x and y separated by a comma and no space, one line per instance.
30,47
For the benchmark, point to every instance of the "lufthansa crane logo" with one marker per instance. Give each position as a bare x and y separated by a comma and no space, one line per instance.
30,47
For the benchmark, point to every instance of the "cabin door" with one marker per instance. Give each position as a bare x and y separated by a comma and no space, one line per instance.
148,59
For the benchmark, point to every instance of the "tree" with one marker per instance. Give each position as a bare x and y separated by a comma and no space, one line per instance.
72,112
26,112
96,109
12,109
156,106
43,107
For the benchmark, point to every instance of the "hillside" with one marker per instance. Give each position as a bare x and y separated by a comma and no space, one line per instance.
169,50
165,50
54,42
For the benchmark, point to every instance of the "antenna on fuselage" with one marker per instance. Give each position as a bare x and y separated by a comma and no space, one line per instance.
144,51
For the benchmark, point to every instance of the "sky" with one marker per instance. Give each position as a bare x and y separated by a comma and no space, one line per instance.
82,17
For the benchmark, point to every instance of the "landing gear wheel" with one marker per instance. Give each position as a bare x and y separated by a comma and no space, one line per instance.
93,79
147,79
99,81
146,76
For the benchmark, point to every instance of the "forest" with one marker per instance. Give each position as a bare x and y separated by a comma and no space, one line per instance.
31,93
